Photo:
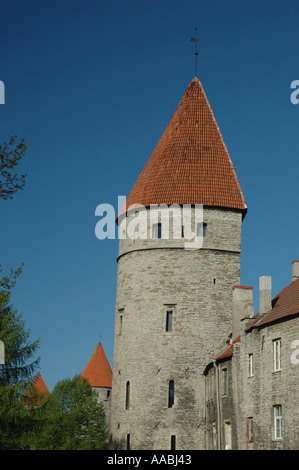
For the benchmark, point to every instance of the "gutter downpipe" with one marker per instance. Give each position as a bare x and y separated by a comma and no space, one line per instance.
218,404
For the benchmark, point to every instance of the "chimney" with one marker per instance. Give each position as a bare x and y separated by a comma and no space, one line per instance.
265,295
295,270
242,307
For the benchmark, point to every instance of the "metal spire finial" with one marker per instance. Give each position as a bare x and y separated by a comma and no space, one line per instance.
195,39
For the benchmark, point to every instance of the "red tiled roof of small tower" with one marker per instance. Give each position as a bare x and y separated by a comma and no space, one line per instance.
98,371
39,386
190,164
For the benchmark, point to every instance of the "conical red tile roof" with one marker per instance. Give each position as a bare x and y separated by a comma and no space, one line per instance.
98,371
38,387
190,164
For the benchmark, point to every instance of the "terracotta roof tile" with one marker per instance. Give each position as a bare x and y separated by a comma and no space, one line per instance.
230,350
190,164
285,304
38,386
98,371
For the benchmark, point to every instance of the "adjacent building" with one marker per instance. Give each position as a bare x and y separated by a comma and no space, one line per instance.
252,387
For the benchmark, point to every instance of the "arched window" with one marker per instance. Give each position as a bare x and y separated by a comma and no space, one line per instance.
127,395
171,394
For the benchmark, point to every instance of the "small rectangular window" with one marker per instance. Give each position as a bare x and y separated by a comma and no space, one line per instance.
127,395
172,443
224,382
214,436
227,435
250,429
201,229
250,365
276,354
169,320
171,394
157,231
277,422
128,442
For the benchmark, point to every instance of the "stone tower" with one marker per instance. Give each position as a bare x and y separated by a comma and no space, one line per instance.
174,305
99,375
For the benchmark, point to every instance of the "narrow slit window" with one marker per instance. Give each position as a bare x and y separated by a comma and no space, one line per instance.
171,394
157,231
224,382
250,430
127,395
172,443
120,320
250,365
169,320
128,442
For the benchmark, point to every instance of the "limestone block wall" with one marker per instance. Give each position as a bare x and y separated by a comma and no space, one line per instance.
267,387
104,396
156,276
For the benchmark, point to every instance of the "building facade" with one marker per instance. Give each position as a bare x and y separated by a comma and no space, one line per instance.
173,305
252,387
179,303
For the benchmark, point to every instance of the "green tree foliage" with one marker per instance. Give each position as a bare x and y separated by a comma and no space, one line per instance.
8,281
15,376
10,155
19,365
15,419
70,418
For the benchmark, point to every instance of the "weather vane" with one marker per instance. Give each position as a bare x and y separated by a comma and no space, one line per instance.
195,39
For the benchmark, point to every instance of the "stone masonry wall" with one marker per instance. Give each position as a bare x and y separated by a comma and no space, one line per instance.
267,387
155,276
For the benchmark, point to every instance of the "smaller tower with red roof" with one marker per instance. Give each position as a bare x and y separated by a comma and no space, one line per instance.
99,375
36,392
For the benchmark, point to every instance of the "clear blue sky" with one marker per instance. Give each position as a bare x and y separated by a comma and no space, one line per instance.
91,86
